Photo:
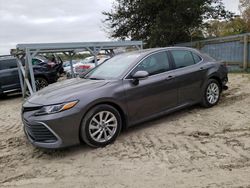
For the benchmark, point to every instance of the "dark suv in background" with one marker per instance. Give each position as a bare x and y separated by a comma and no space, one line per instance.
45,72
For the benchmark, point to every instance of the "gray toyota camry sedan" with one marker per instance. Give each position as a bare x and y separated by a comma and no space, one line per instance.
126,90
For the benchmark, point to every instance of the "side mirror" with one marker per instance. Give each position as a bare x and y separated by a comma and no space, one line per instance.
140,75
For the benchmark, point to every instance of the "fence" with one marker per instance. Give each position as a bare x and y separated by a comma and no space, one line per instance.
234,50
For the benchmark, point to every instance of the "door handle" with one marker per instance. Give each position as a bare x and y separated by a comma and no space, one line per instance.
170,77
201,68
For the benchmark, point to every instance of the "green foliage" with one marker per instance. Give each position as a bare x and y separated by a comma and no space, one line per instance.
162,22
237,25
245,9
226,28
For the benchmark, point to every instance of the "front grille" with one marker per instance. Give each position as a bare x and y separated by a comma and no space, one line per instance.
40,133
27,109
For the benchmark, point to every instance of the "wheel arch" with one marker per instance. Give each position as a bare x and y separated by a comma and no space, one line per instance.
114,105
217,78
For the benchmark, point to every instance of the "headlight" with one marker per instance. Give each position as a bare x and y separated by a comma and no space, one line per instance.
51,109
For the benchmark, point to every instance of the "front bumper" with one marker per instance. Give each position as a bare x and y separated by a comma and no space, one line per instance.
52,131
224,83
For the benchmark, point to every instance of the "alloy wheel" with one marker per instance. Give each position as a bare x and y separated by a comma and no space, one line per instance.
213,93
103,126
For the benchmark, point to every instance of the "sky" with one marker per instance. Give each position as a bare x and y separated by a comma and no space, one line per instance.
35,21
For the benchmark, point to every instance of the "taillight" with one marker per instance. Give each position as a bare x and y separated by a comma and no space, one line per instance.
84,66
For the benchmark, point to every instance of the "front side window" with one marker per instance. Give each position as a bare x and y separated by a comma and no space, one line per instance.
154,64
184,58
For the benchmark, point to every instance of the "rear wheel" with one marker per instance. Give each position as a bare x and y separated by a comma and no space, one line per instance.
41,83
211,93
101,126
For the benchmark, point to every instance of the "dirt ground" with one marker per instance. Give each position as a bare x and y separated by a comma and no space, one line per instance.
194,147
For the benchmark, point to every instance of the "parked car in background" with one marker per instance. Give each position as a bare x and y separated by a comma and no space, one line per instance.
54,62
44,73
67,67
127,89
89,63
58,63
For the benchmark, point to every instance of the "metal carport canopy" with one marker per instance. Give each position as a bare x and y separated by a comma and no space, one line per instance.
78,45
32,49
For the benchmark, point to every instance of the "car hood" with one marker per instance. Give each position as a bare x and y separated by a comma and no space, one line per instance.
67,90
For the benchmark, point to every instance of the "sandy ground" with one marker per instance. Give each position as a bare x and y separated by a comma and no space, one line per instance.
194,147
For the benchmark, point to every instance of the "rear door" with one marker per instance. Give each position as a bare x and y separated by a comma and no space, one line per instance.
156,93
189,74
9,78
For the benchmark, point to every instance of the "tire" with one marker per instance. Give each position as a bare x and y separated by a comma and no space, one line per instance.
41,83
211,93
92,127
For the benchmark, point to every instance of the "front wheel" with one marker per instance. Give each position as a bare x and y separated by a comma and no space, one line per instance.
101,126
211,93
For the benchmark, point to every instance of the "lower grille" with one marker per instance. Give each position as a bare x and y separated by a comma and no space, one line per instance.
40,133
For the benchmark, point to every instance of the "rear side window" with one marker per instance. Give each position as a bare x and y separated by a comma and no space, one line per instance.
8,64
197,58
184,58
154,64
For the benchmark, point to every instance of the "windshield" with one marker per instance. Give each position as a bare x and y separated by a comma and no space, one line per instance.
113,68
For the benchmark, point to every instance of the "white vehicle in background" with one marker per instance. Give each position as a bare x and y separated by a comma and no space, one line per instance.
67,67
89,63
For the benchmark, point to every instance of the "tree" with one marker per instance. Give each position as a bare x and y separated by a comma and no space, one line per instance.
214,28
162,22
245,10
244,4
217,28
235,26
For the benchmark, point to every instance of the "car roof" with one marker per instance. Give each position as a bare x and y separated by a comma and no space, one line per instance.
148,51
6,57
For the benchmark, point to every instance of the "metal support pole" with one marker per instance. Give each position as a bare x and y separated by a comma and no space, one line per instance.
31,72
245,59
138,47
19,65
25,73
95,51
26,76
112,53
71,54
95,56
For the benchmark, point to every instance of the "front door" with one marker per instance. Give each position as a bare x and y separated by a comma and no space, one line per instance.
156,93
